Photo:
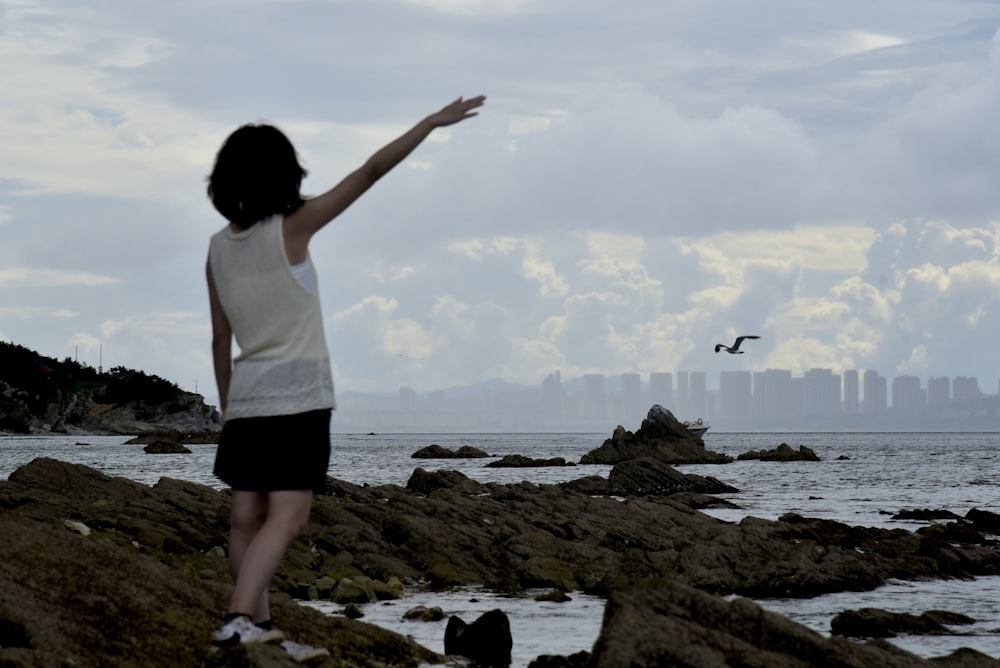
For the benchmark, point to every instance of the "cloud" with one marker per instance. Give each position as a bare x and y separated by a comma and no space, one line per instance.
32,277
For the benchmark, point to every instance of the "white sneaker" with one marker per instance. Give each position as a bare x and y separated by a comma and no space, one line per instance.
305,653
241,630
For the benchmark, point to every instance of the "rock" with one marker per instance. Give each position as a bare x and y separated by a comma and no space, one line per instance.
78,527
422,613
661,437
435,451
449,531
554,596
577,660
648,476
520,461
353,611
175,436
426,482
984,520
782,453
878,623
925,515
486,641
592,485
58,587
357,589
665,623
166,447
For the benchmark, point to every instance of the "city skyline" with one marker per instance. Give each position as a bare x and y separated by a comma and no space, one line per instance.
772,396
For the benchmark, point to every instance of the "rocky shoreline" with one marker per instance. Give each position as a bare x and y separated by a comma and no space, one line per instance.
103,571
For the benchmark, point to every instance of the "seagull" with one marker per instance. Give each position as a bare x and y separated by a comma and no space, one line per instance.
735,349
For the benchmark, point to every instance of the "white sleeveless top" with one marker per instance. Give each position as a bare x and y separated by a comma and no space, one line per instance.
283,366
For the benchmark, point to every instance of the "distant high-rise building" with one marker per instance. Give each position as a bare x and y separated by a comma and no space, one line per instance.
436,400
699,395
407,399
593,399
772,393
630,408
683,395
552,398
736,395
822,392
876,392
907,393
852,403
966,388
661,390
938,391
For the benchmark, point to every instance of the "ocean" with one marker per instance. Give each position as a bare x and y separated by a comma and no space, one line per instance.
862,480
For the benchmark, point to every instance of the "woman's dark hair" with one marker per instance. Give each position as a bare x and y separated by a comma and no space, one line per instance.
256,175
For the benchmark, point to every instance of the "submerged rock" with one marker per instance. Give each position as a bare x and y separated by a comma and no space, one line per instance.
166,447
782,453
878,623
520,461
435,451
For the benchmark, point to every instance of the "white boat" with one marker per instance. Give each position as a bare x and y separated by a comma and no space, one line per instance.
697,428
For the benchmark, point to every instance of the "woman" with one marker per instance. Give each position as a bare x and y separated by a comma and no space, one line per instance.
276,396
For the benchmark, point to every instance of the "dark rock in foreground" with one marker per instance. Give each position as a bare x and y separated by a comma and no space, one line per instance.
648,476
665,623
661,437
435,451
782,453
145,564
486,641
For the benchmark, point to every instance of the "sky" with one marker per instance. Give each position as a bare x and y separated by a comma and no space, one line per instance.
645,180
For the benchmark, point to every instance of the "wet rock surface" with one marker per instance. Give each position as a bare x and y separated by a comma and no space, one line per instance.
146,565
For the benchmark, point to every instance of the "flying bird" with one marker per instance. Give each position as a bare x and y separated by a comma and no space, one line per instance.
735,348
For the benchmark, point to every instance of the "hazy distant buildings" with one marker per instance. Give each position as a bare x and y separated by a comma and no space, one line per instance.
907,393
876,392
698,395
592,401
661,389
821,392
552,398
630,408
683,394
852,403
772,391
965,389
407,399
938,391
736,394
773,399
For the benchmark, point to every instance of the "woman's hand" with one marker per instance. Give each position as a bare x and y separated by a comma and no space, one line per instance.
457,111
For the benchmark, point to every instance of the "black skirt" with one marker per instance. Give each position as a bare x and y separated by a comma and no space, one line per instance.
270,454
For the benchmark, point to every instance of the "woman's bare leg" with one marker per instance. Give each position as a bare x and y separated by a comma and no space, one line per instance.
247,515
286,515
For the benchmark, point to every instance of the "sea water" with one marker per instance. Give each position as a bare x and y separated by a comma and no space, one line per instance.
862,480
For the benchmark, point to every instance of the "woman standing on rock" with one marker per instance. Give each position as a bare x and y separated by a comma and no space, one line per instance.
276,396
